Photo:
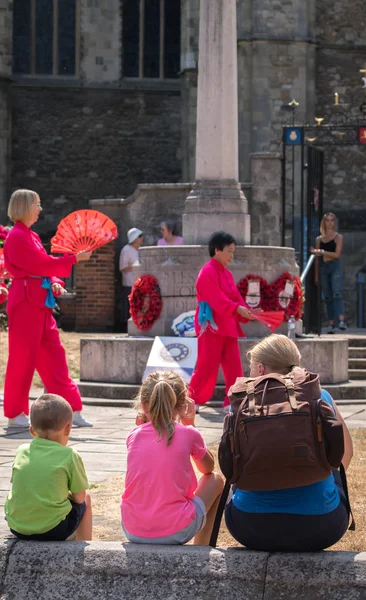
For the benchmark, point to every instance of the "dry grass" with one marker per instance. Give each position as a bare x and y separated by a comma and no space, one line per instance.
106,500
71,343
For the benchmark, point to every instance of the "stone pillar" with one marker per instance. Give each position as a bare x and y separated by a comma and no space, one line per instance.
6,28
217,202
266,216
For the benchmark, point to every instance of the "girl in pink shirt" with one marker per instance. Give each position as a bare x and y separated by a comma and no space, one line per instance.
162,502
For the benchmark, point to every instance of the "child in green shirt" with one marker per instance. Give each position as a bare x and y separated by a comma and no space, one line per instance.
48,500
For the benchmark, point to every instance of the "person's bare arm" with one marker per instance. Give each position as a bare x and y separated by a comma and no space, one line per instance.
206,464
331,255
348,444
77,497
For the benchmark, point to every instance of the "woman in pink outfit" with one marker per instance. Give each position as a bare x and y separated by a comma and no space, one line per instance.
169,237
34,341
220,310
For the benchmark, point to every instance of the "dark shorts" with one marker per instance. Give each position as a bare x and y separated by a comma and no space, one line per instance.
63,530
283,532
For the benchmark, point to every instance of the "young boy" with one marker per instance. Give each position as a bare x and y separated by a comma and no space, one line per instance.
48,500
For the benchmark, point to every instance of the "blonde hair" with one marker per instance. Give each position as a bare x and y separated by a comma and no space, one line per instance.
322,222
50,412
20,204
163,396
276,352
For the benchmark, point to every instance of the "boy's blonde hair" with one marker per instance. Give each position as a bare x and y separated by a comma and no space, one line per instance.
50,412
20,204
163,395
276,352
322,222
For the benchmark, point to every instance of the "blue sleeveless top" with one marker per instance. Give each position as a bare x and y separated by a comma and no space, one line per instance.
315,499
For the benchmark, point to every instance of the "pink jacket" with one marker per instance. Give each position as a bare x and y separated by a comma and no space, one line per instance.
216,286
25,257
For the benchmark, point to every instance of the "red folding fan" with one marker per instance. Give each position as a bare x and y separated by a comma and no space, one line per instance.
270,318
83,230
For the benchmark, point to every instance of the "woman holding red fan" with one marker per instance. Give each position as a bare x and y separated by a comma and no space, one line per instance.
219,313
34,340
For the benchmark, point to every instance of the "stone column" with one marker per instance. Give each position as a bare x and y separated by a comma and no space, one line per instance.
216,201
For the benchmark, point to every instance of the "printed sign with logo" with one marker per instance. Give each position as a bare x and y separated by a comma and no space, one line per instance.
172,354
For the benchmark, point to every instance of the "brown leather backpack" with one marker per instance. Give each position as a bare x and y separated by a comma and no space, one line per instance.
281,434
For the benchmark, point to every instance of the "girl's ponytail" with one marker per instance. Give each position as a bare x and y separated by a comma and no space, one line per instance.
162,397
162,407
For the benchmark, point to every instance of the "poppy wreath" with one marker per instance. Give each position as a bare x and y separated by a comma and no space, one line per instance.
145,302
243,286
295,306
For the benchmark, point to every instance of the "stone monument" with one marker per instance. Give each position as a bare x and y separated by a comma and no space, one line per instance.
216,202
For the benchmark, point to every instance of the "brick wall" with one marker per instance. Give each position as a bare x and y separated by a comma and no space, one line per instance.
95,291
67,318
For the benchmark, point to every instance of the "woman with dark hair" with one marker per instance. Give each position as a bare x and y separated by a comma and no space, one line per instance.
220,310
169,233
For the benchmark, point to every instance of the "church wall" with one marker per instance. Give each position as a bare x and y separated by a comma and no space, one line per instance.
72,145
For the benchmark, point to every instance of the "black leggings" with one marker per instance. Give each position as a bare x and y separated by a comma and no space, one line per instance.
283,532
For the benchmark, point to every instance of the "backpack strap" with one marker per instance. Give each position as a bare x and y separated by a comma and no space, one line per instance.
352,527
219,513
291,392
251,398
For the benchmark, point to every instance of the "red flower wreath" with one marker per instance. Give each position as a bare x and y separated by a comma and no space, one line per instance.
295,306
145,302
243,285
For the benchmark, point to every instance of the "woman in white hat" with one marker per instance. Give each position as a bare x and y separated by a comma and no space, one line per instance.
129,256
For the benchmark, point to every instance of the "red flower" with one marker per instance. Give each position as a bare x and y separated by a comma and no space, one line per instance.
145,302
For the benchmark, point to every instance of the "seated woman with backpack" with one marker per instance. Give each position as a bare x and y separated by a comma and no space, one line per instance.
287,496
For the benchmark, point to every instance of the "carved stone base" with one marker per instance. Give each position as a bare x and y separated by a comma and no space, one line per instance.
176,268
213,206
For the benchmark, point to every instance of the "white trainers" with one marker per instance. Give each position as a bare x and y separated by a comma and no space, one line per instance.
20,421
79,421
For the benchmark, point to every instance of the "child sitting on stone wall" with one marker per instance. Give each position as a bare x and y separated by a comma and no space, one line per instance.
48,500
162,502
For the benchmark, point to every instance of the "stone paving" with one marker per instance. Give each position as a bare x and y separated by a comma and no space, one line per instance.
103,447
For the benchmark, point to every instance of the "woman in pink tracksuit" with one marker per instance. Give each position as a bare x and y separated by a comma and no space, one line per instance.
34,341
220,310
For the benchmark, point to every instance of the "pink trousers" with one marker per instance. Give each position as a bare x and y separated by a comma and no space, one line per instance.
214,350
34,343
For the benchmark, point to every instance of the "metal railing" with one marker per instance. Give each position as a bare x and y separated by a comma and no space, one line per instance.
361,280
313,299
307,268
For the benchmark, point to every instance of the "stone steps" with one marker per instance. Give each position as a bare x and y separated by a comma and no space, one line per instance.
357,352
355,374
356,363
105,393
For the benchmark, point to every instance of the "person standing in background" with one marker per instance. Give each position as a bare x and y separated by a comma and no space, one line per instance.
128,258
329,246
168,230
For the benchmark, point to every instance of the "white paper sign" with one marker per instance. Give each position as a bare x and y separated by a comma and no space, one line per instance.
172,354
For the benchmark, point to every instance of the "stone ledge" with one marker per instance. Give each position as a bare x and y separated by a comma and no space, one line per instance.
113,570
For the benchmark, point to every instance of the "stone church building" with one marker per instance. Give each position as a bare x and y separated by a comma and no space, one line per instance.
99,96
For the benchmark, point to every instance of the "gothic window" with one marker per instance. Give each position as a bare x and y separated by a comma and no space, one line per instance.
151,38
45,37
